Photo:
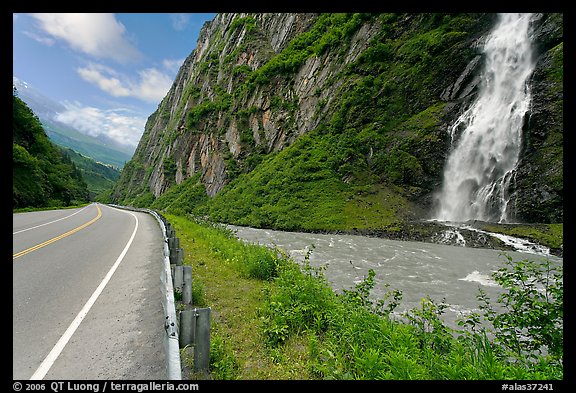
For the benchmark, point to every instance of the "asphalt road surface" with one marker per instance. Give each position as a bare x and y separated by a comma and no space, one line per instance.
86,295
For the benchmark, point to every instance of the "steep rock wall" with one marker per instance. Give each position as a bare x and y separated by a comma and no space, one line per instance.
272,115
256,82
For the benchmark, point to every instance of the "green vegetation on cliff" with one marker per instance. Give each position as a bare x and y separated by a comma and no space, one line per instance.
42,174
373,157
381,138
300,188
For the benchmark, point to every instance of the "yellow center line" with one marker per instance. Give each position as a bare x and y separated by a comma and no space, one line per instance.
34,248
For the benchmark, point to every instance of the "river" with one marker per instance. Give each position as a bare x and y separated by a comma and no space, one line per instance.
452,274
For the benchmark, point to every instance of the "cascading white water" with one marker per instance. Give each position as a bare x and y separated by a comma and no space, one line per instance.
483,160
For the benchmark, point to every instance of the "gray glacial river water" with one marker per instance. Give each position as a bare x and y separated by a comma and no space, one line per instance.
452,274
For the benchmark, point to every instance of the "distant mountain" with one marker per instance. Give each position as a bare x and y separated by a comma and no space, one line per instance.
100,149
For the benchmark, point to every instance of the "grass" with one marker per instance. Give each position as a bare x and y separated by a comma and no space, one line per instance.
275,319
374,207
234,298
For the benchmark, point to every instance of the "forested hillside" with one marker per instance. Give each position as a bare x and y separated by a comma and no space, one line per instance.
42,174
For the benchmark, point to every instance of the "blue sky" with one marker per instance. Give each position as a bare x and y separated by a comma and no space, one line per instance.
109,70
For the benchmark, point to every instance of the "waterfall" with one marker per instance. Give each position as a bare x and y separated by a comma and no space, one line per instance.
487,137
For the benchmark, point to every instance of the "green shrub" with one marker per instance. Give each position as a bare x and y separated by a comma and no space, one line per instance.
352,336
529,321
223,363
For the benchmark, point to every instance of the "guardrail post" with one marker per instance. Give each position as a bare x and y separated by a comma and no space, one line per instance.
193,325
187,327
178,278
179,256
195,330
202,339
173,245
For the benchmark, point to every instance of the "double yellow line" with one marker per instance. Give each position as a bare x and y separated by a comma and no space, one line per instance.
19,254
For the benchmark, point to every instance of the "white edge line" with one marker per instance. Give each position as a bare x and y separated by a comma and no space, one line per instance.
47,363
51,222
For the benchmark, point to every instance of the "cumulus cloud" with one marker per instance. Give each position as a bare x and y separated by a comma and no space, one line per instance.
105,78
151,84
119,124
98,35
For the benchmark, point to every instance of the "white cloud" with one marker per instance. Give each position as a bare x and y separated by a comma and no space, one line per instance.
40,38
150,86
118,124
179,21
98,35
95,74
173,65
153,85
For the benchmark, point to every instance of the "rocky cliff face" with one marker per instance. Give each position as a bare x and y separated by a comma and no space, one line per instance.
274,114
539,181
257,82
266,118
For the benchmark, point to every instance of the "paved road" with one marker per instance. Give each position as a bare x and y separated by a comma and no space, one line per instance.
86,295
